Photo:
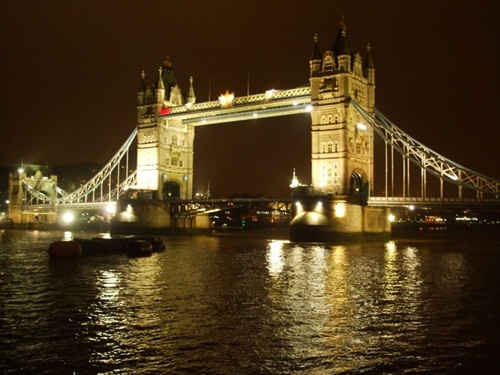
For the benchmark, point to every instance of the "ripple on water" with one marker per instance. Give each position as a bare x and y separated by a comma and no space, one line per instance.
232,304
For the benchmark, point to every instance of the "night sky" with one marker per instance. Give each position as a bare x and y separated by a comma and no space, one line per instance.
70,71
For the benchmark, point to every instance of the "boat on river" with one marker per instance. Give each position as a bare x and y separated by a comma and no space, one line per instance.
64,249
133,245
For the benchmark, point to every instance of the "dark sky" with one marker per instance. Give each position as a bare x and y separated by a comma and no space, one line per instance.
70,71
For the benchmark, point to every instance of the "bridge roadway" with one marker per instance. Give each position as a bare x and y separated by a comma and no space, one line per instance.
272,103
282,205
285,205
204,205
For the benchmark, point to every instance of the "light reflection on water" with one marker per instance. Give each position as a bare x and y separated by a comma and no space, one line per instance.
241,304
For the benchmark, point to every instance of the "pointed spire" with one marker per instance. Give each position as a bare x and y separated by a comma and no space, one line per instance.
160,87
368,63
316,59
141,93
191,99
295,181
316,52
142,86
341,44
160,79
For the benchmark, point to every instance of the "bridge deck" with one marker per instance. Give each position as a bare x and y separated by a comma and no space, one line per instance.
271,104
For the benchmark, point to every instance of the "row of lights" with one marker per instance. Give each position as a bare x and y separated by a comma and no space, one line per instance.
68,217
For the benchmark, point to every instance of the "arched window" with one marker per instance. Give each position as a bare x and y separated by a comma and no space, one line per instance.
174,139
328,63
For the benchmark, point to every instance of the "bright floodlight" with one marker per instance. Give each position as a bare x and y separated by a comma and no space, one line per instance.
319,207
452,176
361,126
269,94
68,217
299,207
111,208
340,210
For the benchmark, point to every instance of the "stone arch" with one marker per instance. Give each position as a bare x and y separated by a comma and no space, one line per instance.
358,186
171,191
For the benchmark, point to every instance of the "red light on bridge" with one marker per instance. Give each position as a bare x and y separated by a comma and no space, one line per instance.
164,111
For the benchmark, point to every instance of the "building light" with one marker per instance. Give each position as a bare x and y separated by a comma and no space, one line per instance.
68,217
361,126
319,207
299,207
451,176
269,94
111,208
339,210
226,100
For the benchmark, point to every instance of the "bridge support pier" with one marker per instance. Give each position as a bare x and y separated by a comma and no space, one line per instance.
337,218
143,216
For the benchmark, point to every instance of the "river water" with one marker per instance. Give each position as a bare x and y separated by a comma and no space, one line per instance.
251,303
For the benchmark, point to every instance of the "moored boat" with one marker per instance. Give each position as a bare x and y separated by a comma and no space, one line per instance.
120,244
60,249
140,248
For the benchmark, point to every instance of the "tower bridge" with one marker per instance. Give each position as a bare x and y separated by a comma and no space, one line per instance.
340,98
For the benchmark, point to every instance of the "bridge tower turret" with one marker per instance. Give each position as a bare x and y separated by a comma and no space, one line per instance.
164,146
342,145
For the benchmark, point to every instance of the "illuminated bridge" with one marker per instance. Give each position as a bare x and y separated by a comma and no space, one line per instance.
340,99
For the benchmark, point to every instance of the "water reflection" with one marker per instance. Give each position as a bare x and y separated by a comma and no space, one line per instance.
123,310
108,287
275,257
242,305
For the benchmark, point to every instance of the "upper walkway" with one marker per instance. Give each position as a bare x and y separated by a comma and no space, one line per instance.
272,103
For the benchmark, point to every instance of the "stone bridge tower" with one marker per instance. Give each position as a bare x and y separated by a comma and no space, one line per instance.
342,145
164,147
